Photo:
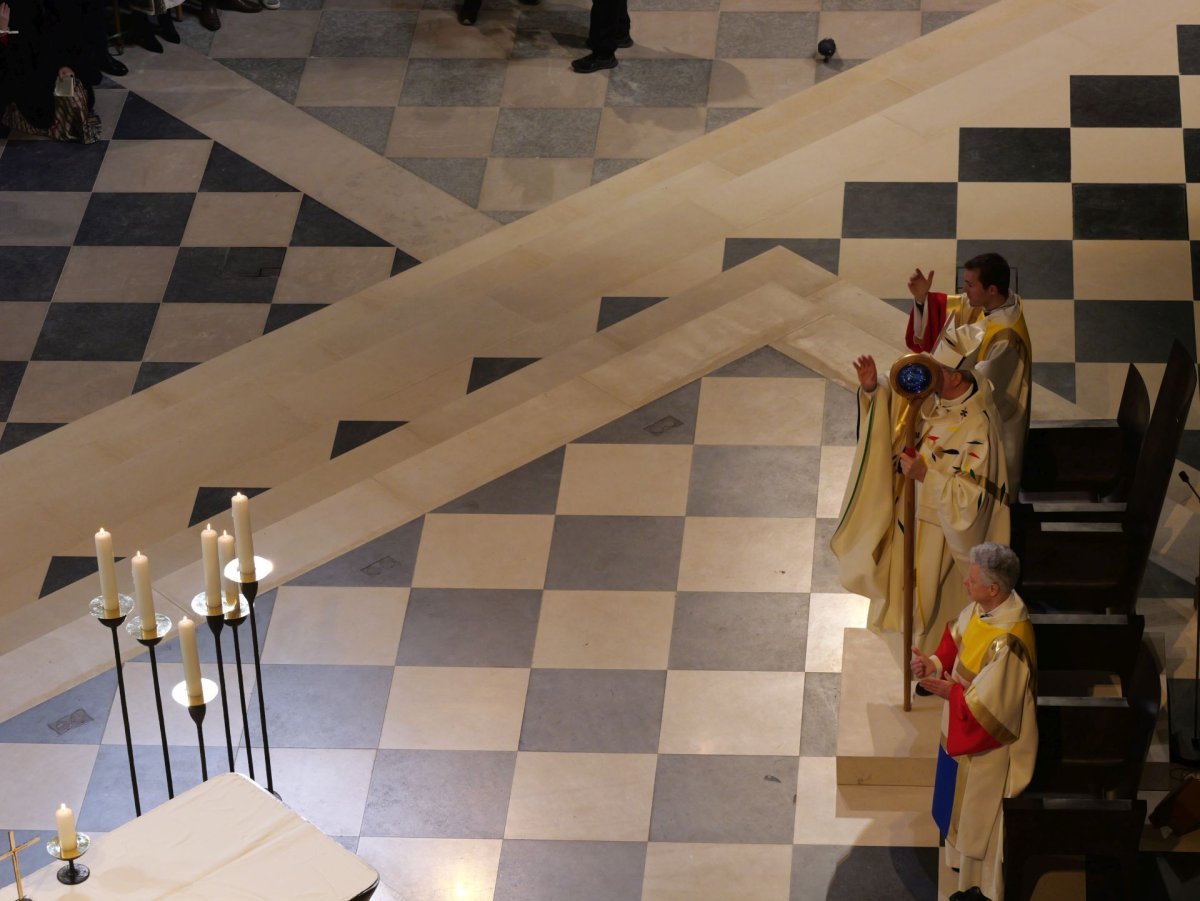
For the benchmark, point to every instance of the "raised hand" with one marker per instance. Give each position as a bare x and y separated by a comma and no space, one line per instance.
5,16
919,285
921,665
868,375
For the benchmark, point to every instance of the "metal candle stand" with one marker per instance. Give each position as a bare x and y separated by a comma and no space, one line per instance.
216,621
196,709
72,873
249,583
162,624
233,619
124,605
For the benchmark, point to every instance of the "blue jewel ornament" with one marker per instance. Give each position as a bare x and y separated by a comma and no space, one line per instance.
914,378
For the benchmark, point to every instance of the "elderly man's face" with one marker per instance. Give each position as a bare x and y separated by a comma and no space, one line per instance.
978,588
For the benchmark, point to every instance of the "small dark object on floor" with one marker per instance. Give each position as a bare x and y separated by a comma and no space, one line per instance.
240,6
593,63
625,43
209,17
166,28
971,894
827,47
110,65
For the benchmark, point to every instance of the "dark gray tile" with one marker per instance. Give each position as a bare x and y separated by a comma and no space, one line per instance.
739,631
11,373
1041,269
741,480
279,76
1160,582
142,120
824,569
485,370
469,627
439,794
869,5
597,711
1014,154
1187,38
18,433
605,169
825,252
504,217
213,500
674,6
1195,249
819,725
150,374
900,209
718,798
615,553
143,220
1130,212
354,433
460,178
659,82
365,33
108,801
1125,101
765,362
1057,377
282,314
50,165
307,705
264,606
77,716
617,309
95,331
1132,331
229,171
932,21
532,488
581,871
669,420
544,32
195,36
453,82
1189,448
769,35
835,66
840,416
319,226
1191,154
349,842
31,273
224,275
33,858
830,873
66,570
386,561
369,125
720,116
538,132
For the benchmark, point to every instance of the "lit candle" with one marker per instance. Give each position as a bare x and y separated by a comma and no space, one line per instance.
232,588
108,574
143,594
241,533
65,819
191,660
212,570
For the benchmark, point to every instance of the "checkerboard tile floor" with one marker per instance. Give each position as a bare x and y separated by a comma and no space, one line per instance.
612,673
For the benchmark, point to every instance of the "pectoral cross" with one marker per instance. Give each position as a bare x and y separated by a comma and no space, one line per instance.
13,851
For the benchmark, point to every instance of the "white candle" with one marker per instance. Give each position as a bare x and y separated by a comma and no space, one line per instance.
212,570
232,588
108,574
242,535
143,594
191,660
65,819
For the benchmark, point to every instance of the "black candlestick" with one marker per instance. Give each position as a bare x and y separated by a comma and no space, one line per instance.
150,640
124,605
234,621
249,581
216,621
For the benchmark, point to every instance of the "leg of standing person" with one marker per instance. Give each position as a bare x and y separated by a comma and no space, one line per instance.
608,30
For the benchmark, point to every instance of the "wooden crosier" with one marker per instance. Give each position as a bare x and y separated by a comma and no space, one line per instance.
913,377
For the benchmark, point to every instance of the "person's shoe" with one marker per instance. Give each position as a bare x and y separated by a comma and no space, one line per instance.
209,17
166,28
150,42
241,6
270,4
593,63
110,65
625,43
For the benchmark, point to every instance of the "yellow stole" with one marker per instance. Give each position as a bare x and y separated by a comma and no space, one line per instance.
980,640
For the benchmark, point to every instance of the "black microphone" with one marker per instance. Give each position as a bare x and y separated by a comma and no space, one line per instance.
1183,475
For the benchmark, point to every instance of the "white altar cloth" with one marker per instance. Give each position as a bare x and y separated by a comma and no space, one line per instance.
227,839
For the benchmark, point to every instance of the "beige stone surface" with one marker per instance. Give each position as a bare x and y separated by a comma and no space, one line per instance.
351,81
455,708
122,274
158,165
604,630
325,626
483,551
732,713
685,871
728,553
1133,270
638,132
877,815
437,869
32,218
629,480
195,332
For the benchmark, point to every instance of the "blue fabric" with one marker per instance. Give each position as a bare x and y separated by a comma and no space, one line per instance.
943,790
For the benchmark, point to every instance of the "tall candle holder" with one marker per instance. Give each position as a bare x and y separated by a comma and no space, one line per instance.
196,709
124,606
234,618
249,583
72,873
216,622
162,625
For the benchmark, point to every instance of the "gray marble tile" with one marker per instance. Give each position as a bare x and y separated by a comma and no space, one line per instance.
825,252
739,631
33,858
460,178
837,65
819,725
604,169
767,35
583,871
765,362
542,32
532,488
659,82
738,480
504,217
830,873
279,76
439,794
194,35
932,21
869,5
368,125
453,82
1058,377
307,705
615,553
596,711
674,5
535,132
671,419
719,798
720,116
365,33
108,801
264,605
469,627
824,567
75,717
840,423
387,561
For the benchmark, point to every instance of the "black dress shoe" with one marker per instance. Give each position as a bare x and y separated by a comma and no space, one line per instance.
110,65
593,63
150,42
625,43
166,28
240,6
209,17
